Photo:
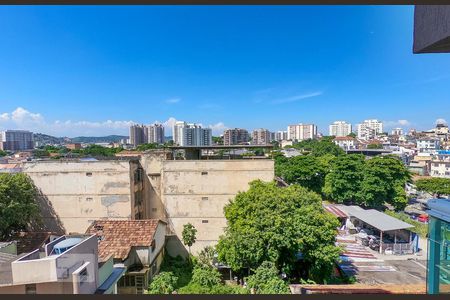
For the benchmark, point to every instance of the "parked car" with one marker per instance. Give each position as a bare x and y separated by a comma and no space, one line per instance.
423,218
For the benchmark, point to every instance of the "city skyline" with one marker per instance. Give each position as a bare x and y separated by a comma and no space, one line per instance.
145,64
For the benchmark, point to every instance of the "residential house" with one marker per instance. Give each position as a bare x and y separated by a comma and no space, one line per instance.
137,245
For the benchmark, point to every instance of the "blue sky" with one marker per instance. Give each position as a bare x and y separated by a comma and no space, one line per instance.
92,70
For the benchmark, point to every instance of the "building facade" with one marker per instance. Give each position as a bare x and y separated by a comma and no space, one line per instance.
301,132
261,136
428,145
369,129
440,164
236,136
438,267
66,265
196,191
74,193
191,134
281,136
155,133
16,140
137,135
340,128
346,142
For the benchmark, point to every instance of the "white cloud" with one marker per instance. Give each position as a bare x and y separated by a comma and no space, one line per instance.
297,98
21,115
218,128
173,100
4,117
441,121
397,123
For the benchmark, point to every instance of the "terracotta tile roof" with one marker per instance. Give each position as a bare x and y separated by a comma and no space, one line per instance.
116,237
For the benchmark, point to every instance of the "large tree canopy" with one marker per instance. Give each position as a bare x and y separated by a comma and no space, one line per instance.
308,171
343,182
17,203
436,185
268,223
320,147
373,182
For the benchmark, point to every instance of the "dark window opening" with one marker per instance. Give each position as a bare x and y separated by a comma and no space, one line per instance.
89,174
204,221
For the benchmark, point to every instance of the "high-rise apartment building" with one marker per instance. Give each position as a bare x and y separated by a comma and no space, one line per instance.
155,133
301,132
261,136
235,136
369,129
137,135
340,128
281,136
16,140
190,134
176,131
141,134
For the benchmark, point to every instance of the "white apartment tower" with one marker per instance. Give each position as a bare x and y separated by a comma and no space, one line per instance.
191,134
301,132
340,128
369,129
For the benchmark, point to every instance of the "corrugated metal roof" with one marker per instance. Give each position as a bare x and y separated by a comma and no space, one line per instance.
375,218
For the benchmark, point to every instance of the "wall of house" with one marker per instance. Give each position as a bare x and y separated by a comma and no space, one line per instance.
195,191
73,193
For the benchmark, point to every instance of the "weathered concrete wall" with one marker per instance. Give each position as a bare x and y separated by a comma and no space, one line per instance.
73,193
195,191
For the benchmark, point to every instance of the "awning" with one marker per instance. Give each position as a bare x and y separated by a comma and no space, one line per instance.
375,218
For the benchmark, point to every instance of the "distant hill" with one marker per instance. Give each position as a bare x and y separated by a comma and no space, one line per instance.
47,139
98,139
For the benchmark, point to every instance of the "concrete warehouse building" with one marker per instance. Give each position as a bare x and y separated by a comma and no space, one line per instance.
74,193
158,185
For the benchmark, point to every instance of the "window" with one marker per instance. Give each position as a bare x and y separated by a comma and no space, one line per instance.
153,245
126,280
204,221
204,198
154,209
88,199
89,174
30,289
204,173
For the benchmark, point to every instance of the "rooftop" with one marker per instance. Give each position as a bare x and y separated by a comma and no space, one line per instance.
374,218
117,237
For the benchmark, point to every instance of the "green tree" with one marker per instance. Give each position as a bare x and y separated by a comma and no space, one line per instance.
206,257
3,153
189,235
352,134
149,146
266,280
268,223
163,283
343,182
375,146
218,140
319,147
305,170
205,276
18,205
437,186
384,181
